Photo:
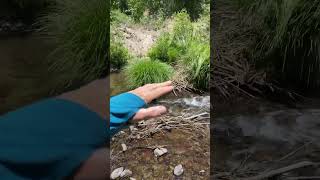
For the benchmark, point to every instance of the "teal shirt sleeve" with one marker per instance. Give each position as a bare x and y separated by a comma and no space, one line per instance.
122,108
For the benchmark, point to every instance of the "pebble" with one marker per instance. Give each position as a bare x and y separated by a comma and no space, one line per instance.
131,178
126,173
202,172
178,170
124,147
160,151
116,173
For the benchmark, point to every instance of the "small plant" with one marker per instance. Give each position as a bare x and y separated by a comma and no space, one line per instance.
119,55
144,71
163,50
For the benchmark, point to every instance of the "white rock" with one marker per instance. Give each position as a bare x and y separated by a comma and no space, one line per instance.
178,170
121,132
126,173
160,151
116,173
202,171
124,147
131,128
131,178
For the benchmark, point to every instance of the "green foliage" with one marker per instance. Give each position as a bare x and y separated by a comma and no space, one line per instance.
164,49
80,29
170,46
197,61
188,43
136,8
144,71
119,55
290,30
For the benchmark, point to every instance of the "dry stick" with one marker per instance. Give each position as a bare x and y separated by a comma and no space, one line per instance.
295,151
195,116
281,170
303,177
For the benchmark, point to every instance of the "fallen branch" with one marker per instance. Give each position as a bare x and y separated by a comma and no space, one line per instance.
281,170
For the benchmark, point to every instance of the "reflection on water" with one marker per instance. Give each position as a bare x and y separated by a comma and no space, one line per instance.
24,75
118,83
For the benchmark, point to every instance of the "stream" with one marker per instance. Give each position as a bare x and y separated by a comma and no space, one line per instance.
24,72
267,136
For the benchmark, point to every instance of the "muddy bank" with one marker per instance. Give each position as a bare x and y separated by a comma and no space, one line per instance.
258,137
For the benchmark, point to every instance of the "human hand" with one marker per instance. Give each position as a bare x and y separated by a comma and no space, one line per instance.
148,93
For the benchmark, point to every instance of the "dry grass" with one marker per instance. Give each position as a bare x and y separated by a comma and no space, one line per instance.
232,72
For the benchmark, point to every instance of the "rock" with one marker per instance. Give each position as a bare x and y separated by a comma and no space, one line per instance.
160,151
124,147
126,173
121,132
116,173
202,172
131,178
132,128
178,170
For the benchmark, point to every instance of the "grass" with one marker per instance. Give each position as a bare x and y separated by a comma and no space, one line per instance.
197,62
187,47
80,29
145,71
290,31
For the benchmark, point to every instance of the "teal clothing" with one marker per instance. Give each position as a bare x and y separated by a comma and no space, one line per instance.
50,139
122,108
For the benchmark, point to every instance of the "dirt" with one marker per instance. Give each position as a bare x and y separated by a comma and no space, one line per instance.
187,140
139,39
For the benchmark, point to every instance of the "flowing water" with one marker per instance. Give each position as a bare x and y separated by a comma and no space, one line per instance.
267,136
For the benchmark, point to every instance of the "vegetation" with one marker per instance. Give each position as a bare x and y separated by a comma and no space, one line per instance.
137,8
290,31
80,29
188,47
265,46
119,55
144,71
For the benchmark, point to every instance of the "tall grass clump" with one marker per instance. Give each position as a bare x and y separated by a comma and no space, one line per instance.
289,31
187,46
80,30
172,45
144,71
197,61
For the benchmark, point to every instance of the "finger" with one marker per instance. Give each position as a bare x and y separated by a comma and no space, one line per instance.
156,93
167,83
150,112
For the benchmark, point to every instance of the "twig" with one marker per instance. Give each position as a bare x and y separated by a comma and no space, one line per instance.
281,170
